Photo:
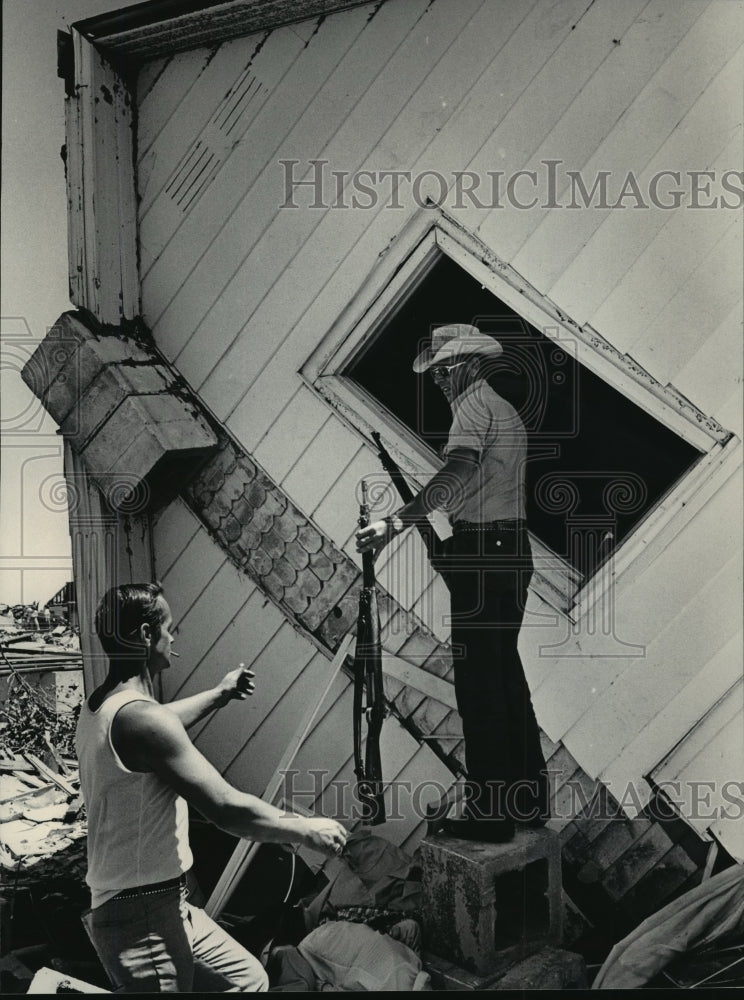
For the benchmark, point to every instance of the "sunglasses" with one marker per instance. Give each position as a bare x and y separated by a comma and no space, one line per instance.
443,371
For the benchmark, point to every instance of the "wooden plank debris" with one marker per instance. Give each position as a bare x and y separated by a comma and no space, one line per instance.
58,764
49,774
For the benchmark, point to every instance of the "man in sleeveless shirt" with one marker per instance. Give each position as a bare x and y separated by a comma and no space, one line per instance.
481,487
138,770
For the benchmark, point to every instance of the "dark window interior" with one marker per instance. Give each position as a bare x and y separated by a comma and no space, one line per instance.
618,460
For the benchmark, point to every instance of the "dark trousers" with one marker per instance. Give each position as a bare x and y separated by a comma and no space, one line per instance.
490,571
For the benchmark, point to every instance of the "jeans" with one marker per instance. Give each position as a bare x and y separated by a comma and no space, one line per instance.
490,572
160,943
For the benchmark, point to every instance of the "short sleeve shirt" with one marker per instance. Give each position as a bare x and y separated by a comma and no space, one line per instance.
484,422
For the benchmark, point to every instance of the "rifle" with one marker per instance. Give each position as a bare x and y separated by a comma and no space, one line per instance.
432,541
368,680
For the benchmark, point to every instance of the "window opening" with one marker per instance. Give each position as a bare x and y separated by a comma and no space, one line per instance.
598,462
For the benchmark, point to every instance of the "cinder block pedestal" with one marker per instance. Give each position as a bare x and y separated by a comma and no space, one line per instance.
485,906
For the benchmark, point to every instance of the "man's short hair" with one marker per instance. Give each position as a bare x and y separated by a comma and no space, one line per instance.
120,614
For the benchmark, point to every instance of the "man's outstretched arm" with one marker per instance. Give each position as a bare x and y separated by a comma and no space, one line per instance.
236,685
151,738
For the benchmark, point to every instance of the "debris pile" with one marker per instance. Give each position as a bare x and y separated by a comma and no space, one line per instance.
42,823
41,682
40,816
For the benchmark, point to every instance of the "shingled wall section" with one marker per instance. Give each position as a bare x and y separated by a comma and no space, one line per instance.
314,582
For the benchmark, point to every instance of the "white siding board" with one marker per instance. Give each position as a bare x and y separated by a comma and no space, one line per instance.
643,609
709,786
433,607
406,573
679,651
429,779
165,103
337,511
248,92
229,221
306,29
321,464
284,656
731,416
715,370
578,51
174,528
542,626
594,112
679,715
634,140
526,45
254,766
639,257
200,628
408,765
293,430
190,574
329,745
147,77
369,236
301,263
719,733
337,514
700,306
242,640
337,798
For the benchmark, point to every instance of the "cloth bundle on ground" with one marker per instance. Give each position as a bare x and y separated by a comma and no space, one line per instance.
365,938
342,956
387,874
711,911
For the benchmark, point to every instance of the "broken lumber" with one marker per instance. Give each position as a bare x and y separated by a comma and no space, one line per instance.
49,774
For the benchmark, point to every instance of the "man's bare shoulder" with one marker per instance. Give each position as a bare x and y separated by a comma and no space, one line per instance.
147,724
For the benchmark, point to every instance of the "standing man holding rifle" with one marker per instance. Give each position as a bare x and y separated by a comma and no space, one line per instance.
481,487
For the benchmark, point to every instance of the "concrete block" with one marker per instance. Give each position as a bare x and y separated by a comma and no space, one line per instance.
446,975
69,359
148,440
547,969
64,688
107,391
488,905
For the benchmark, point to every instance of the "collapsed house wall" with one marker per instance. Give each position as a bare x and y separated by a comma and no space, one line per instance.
239,292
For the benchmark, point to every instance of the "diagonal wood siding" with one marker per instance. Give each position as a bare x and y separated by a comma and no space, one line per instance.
239,291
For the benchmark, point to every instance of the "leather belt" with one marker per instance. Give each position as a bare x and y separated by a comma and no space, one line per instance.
153,889
509,524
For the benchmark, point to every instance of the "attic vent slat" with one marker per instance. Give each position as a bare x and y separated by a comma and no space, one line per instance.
201,162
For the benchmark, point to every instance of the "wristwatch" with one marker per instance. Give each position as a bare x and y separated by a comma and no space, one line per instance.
395,522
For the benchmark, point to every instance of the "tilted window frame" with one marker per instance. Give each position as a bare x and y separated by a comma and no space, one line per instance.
403,265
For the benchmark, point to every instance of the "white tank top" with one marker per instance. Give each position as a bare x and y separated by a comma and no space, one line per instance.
137,825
